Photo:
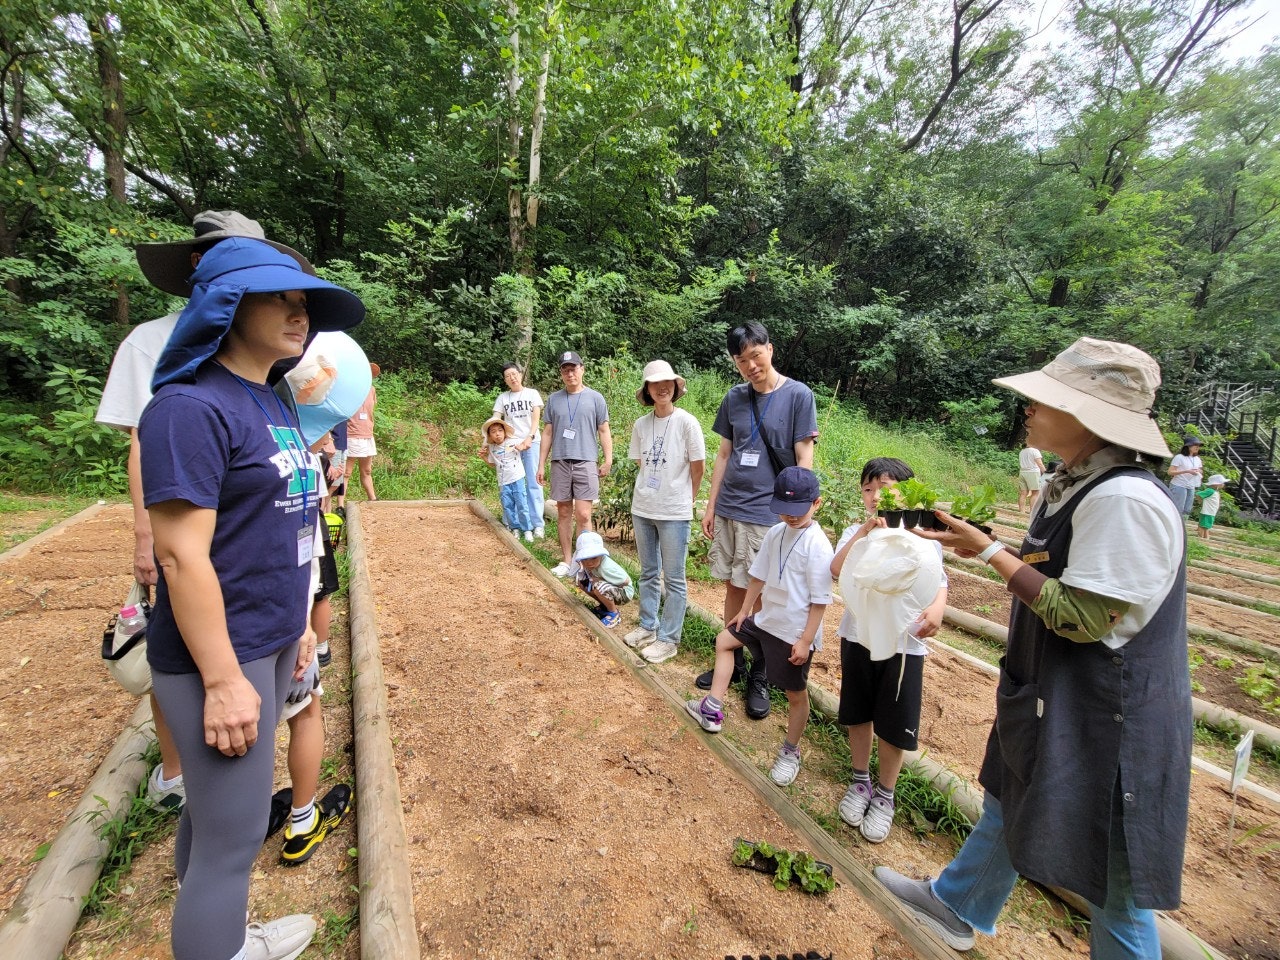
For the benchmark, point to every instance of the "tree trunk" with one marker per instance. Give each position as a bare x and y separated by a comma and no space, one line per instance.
113,133
1058,293
515,196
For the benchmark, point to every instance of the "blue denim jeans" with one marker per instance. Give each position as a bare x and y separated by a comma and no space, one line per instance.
663,546
533,488
1183,498
515,506
976,884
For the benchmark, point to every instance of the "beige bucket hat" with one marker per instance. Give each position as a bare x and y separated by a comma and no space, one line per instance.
484,430
655,371
1109,387
168,265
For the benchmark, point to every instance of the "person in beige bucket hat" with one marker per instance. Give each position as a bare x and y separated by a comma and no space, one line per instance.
1087,769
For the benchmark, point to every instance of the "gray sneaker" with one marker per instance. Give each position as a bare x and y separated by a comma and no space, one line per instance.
159,798
918,897
710,720
639,637
659,651
854,805
878,820
785,767
282,939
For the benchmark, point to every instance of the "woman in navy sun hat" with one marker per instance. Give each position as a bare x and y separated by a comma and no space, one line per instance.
232,495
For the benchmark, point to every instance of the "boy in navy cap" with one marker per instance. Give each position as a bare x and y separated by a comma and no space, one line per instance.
791,576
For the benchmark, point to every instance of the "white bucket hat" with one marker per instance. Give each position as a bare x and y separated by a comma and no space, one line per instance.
888,578
655,371
1216,479
590,544
1109,387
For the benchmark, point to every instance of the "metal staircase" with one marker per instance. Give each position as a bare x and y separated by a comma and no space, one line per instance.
1251,448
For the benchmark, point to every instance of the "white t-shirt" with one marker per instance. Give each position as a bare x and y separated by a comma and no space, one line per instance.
128,387
1126,543
506,458
517,409
849,623
665,447
1027,459
1209,505
1191,480
795,566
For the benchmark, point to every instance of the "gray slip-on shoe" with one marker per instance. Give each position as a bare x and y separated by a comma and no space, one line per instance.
917,896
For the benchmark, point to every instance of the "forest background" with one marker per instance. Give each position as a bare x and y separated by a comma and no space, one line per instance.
912,196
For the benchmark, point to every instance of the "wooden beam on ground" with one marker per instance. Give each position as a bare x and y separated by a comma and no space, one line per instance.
388,927
26,546
45,914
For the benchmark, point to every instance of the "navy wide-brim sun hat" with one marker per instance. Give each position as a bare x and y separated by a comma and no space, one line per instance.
229,270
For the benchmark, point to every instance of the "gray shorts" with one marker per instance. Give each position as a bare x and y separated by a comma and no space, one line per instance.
734,548
574,480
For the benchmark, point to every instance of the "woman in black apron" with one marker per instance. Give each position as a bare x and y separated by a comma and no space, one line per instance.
1087,769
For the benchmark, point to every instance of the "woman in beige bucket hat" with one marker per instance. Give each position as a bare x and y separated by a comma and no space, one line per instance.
1087,771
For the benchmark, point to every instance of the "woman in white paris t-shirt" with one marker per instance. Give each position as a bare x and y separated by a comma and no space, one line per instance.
521,407
1185,473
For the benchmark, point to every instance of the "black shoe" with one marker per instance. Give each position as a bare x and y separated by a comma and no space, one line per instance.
325,658
341,511
704,679
329,813
758,705
281,806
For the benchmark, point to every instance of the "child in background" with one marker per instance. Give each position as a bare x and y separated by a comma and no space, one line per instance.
501,451
791,576
880,695
1210,502
599,576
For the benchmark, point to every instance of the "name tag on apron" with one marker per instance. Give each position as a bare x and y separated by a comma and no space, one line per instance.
750,458
306,544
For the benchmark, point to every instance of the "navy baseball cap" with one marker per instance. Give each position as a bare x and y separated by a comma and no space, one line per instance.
794,492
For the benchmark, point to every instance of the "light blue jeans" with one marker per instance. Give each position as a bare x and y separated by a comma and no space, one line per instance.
976,884
1183,498
530,460
663,546
515,506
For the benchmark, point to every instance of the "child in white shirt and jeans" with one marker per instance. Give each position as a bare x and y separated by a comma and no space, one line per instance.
501,451
791,576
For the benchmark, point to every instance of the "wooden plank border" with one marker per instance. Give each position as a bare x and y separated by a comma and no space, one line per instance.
26,546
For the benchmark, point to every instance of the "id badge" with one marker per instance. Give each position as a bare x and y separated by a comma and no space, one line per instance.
306,544
750,458
776,594
653,483
364,416
569,433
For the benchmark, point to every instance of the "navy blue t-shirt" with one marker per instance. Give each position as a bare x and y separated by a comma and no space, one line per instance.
210,443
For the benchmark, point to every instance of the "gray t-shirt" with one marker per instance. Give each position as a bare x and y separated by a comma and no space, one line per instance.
575,420
786,415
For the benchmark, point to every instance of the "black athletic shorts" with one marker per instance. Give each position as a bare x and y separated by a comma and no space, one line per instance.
328,565
870,693
782,673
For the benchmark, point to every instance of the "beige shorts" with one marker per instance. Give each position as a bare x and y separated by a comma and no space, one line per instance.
1029,480
734,548
358,447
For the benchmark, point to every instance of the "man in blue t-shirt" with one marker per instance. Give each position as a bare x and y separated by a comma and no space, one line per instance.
766,424
576,417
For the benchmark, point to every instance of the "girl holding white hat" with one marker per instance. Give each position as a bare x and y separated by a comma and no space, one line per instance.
670,454
1087,771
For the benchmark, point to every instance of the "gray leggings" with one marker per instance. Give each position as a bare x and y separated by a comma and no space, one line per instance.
228,804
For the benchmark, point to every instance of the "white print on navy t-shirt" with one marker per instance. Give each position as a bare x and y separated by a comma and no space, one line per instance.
293,454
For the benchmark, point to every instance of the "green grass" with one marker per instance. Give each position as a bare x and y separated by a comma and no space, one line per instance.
13,505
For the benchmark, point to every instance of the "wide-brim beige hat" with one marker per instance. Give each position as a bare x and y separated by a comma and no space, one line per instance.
484,431
168,265
1109,387
655,371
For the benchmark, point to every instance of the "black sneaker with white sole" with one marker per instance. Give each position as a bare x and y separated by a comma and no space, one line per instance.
298,848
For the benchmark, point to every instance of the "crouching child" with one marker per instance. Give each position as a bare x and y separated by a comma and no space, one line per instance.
600,577
791,577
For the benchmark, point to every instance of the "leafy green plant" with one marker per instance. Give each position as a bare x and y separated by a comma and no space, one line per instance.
888,500
1259,683
613,511
787,867
978,506
917,495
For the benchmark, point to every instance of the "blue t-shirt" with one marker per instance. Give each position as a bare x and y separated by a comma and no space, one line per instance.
580,413
787,414
210,443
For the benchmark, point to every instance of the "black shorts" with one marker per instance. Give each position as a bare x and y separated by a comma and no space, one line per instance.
328,565
869,693
782,673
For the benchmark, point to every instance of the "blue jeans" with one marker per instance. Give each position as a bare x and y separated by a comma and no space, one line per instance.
533,488
663,546
976,884
515,505
1183,497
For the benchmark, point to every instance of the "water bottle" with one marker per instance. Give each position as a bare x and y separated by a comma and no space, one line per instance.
131,620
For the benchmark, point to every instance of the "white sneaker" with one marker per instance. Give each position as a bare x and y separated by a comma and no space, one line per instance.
560,570
540,533
282,939
878,820
659,652
638,637
853,808
528,536
785,767
161,799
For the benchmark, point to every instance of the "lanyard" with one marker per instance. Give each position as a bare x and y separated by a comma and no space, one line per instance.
757,420
572,411
300,466
782,564
654,449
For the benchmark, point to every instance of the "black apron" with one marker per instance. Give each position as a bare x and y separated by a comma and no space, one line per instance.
1084,733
